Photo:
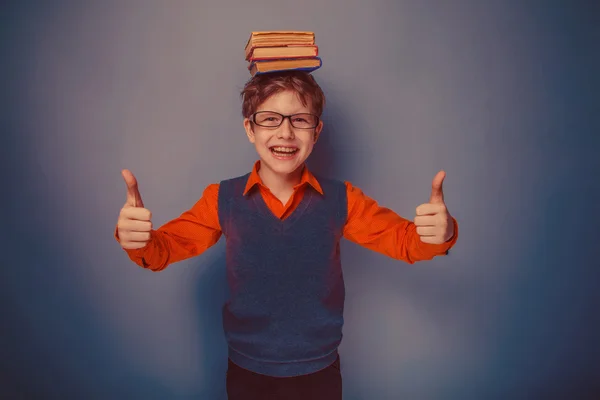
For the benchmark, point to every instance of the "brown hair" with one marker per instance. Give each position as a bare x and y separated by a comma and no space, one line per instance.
262,86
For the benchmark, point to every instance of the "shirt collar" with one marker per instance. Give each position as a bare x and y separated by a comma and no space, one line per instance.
306,178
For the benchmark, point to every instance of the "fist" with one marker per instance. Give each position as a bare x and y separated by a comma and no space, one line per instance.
433,221
135,222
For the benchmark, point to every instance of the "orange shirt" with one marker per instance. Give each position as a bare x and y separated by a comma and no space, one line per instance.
368,224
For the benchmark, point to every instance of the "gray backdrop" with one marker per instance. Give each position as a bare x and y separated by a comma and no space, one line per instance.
500,94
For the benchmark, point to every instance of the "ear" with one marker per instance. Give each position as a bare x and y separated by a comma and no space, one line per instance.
318,130
249,131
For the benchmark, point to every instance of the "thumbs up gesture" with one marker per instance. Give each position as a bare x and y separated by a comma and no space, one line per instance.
434,223
134,223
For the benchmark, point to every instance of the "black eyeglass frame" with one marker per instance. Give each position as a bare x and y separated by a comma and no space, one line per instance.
283,117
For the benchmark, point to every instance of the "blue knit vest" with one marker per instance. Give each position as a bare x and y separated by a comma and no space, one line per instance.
285,313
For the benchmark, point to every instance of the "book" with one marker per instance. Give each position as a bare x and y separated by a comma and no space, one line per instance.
303,64
294,51
278,38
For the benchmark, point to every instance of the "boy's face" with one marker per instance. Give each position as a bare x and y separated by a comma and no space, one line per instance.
269,140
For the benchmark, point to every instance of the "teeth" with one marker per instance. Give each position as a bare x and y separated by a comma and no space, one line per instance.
284,149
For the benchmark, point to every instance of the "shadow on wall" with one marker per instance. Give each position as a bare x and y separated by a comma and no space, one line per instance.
211,293
324,161
209,350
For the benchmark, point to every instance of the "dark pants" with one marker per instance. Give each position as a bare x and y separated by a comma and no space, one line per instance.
325,384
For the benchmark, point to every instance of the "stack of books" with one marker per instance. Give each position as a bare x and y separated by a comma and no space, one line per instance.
272,51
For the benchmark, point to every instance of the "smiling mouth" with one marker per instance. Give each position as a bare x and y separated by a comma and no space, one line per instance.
281,151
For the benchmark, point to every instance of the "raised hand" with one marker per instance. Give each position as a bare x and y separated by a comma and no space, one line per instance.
135,221
433,221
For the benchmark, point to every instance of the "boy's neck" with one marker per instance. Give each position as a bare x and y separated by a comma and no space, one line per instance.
280,183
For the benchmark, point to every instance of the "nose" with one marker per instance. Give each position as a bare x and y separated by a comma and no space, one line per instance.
285,130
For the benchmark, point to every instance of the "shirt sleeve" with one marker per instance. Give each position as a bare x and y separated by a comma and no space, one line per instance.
184,237
382,230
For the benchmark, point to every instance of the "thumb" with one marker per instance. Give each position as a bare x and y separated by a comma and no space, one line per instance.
437,192
134,199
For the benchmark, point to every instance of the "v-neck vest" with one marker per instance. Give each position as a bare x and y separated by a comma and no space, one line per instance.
285,313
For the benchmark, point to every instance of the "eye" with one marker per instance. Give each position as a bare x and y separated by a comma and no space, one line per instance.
298,119
268,119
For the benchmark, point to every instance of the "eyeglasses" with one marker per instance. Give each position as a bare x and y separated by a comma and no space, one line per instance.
271,119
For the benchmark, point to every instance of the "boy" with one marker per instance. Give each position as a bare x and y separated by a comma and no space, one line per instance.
283,225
